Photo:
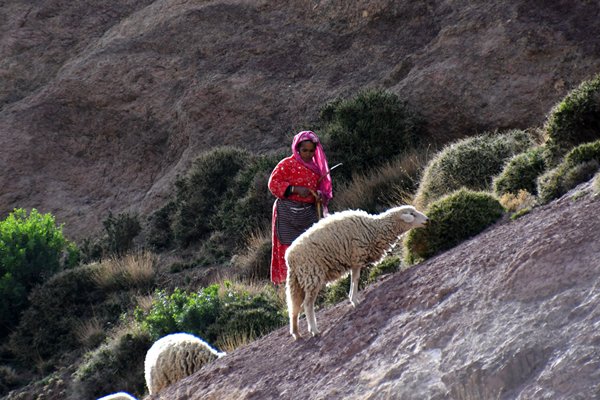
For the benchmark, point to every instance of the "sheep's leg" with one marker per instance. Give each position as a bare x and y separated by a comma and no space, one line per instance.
295,296
354,277
309,310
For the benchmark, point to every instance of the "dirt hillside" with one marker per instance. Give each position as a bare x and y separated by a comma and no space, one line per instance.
102,104
510,314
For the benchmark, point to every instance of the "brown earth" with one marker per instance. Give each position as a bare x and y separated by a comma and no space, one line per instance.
510,314
102,104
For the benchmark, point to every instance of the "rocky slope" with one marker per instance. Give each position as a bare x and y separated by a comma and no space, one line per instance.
103,103
510,314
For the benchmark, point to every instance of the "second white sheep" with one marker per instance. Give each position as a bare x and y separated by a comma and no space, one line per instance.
345,241
175,356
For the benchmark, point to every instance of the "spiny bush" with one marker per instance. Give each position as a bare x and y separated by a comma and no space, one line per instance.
579,165
201,191
383,186
521,173
117,365
452,219
574,120
121,230
32,248
159,233
118,238
469,163
254,263
215,313
133,270
517,202
369,129
49,326
248,204
9,379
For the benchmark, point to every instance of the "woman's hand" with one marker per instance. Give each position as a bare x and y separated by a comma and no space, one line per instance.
302,191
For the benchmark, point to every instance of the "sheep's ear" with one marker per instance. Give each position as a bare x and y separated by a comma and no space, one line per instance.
407,218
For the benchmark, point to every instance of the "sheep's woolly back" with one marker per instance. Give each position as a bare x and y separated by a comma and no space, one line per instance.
174,357
346,239
118,396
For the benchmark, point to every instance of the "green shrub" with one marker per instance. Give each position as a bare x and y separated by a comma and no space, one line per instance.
214,314
367,130
48,328
200,193
469,163
579,165
32,248
521,173
115,366
222,199
574,120
452,219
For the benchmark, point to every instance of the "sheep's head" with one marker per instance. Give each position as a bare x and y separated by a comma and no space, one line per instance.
413,217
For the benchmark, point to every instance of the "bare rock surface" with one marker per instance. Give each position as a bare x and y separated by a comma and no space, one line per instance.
510,314
102,104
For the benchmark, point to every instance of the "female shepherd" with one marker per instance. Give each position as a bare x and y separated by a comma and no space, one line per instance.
302,185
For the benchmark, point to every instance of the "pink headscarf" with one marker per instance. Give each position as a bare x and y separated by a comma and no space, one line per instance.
318,164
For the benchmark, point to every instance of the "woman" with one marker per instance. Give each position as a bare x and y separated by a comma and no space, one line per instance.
302,185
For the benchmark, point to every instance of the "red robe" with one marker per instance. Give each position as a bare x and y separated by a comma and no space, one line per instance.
288,172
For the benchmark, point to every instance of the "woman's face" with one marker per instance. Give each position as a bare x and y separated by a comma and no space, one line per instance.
307,150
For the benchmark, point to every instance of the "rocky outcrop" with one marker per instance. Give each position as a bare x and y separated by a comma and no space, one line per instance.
102,104
510,314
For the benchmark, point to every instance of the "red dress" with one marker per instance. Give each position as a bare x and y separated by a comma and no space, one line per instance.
288,172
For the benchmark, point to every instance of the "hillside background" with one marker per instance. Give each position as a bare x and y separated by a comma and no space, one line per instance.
112,120
103,104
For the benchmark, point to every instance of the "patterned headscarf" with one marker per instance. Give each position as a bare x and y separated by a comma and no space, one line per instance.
318,164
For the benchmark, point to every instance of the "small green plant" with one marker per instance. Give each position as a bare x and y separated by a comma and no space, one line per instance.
388,265
574,120
369,129
117,365
521,173
32,248
579,165
452,219
471,163
215,313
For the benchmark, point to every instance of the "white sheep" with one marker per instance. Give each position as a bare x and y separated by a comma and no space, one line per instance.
118,396
175,356
345,241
